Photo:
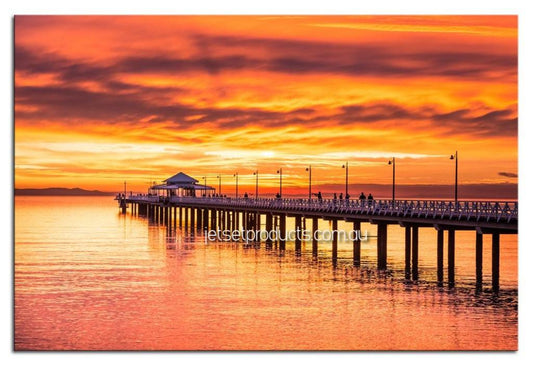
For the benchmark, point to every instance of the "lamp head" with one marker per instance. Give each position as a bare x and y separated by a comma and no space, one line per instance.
452,157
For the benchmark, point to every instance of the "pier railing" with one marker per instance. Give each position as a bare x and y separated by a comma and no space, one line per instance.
491,211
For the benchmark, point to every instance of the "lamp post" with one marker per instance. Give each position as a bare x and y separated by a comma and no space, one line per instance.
346,190
456,158
256,174
205,185
236,175
219,185
280,172
393,163
308,169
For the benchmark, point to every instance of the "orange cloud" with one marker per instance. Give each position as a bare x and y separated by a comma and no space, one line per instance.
100,99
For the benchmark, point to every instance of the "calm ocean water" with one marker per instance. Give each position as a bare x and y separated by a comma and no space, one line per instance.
88,278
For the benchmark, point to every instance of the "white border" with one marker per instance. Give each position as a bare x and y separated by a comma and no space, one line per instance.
270,361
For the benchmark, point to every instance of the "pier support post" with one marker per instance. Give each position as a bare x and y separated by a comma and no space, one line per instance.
440,257
382,246
451,258
223,220
212,224
257,226
495,262
298,228
479,260
175,219
414,252
407,252
186,213
357,244
199,222
282,231
335,241
268,228
206,219
313,237
193,224
181,216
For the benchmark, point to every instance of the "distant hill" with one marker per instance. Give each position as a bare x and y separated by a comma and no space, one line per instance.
61,191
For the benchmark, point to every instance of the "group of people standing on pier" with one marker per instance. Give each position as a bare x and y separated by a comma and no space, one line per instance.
346,197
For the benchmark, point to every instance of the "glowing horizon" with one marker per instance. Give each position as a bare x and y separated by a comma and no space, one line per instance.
103,99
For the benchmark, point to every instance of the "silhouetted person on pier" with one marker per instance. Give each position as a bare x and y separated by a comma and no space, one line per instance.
245,195
347,196
319,196
370,197
334,196
362,196
340,196
278,196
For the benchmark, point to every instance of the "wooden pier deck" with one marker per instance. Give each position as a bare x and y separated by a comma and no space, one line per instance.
481,217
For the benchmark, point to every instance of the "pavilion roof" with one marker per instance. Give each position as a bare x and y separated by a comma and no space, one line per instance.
181,186
181,178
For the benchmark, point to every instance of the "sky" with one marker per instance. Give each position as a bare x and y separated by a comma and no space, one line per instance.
100,100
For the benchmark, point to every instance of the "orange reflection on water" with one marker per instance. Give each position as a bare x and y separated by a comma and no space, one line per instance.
89,278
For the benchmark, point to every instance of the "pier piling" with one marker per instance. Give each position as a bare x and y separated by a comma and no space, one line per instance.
495,262
357,244
313,237
407,252
440,257
451,258
479,260
282,230
298,228
414,252
335,240
382,246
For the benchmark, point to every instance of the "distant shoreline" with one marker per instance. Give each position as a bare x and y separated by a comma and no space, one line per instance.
61,191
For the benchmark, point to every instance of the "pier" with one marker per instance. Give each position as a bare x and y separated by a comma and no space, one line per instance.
445,217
